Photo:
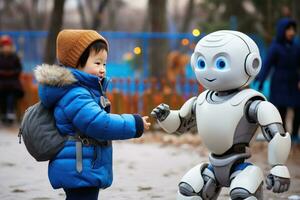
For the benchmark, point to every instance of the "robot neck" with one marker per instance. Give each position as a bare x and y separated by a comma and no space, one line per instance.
225,93
220,96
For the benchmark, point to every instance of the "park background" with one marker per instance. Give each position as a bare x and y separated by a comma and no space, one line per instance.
151,42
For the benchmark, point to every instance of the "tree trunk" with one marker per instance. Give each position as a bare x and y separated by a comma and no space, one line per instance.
112,7
158,47
188,15
269,20
34,14
54,28
296,13
97,19
82,15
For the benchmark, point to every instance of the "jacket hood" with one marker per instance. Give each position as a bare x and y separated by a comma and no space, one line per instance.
282,25
55,81
54,75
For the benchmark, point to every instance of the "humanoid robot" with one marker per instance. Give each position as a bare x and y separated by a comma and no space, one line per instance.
227,115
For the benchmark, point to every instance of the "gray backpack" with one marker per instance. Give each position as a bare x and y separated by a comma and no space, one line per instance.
42,138
40,134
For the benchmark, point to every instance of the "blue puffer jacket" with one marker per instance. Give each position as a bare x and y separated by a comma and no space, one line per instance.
75,108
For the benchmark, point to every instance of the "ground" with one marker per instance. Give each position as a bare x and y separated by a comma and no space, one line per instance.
147,168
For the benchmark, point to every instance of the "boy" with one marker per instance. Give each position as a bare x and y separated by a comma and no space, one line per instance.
76,91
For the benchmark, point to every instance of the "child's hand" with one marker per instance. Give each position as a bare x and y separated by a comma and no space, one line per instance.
146,124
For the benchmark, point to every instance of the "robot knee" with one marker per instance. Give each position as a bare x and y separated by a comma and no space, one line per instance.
186,190
191,184
249,183
208,190
241,193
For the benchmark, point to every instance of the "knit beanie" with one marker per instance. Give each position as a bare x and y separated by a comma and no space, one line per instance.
70,44
6,40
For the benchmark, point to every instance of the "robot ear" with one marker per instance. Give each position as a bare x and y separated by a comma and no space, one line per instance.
253,64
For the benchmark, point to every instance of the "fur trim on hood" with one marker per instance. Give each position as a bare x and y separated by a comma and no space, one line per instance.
54,75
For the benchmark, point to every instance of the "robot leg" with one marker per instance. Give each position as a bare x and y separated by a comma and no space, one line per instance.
247,184
198,184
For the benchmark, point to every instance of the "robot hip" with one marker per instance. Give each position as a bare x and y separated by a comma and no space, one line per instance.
225,167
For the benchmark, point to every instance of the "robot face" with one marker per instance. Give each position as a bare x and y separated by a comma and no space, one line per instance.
224,61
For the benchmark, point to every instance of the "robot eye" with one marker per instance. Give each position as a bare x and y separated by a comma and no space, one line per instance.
201,63
221,63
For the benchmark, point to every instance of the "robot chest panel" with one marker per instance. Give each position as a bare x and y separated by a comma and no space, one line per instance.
217,123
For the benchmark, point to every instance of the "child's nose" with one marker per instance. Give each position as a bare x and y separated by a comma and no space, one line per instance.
102,69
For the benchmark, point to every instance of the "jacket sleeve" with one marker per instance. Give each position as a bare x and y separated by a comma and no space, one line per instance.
89,118
268,63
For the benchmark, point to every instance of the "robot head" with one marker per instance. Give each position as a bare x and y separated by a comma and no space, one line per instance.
226,60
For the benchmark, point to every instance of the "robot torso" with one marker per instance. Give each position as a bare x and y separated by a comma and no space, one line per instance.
222,124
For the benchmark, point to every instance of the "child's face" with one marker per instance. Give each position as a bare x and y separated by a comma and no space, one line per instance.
96,64
7,49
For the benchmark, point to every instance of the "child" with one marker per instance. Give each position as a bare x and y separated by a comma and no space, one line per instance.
76,91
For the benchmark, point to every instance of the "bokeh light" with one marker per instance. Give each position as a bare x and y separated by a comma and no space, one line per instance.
137,50
127,56
196,32
185,41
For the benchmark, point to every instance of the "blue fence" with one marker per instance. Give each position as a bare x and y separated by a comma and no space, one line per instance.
123,61
31,44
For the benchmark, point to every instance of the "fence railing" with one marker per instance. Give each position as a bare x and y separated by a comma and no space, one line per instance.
128,95
31,45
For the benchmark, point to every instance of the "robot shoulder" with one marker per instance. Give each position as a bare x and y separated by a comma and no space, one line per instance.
201,98
245,95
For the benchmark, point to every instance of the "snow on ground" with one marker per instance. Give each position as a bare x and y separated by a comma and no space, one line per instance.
144,169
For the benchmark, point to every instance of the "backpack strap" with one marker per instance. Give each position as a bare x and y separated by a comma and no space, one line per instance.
87,141
78,156
82,140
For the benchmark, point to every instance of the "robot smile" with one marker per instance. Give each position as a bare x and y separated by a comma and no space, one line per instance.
210,80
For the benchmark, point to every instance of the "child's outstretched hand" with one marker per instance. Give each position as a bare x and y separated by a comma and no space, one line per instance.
146,124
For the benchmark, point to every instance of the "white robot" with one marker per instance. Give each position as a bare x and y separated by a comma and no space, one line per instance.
227,115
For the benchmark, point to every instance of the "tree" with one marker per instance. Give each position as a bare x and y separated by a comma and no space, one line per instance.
188,16
97,19
82,15
158,47
55,26
296,13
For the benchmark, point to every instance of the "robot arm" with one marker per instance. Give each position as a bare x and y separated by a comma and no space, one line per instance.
176,120
267,116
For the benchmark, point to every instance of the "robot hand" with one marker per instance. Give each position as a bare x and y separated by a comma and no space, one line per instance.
278,183
161,112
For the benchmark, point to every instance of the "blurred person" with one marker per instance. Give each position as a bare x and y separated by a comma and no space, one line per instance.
283,59
10,85
176,63
76,91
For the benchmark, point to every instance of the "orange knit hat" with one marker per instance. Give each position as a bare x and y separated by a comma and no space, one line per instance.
6,40
70,44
